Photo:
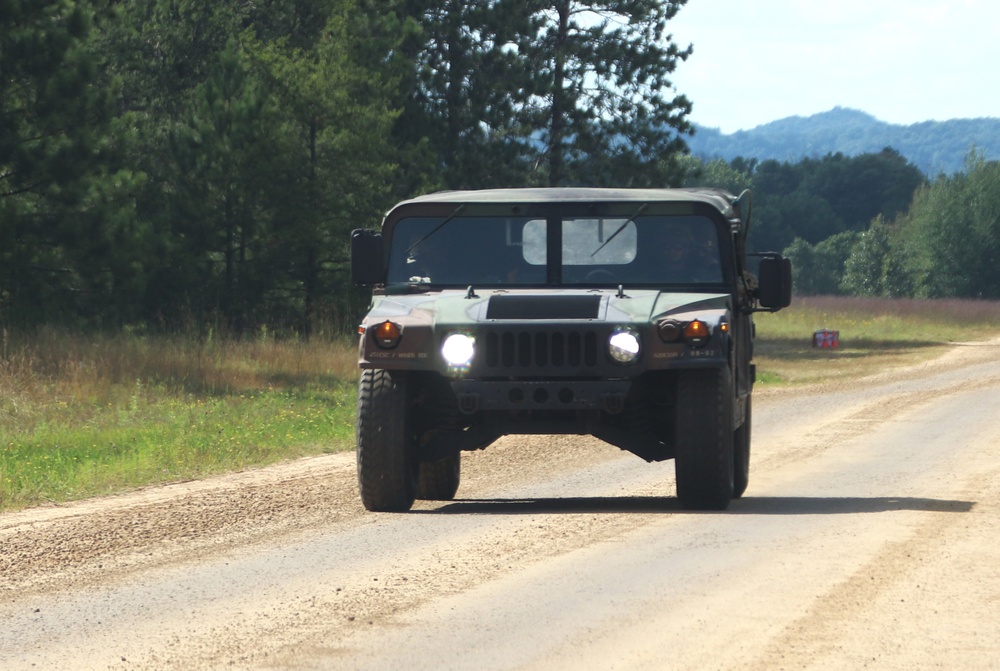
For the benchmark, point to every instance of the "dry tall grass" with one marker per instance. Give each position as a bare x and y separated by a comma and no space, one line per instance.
963,312
57,376
50,364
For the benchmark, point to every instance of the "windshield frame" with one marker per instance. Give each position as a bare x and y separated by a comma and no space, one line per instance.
441,220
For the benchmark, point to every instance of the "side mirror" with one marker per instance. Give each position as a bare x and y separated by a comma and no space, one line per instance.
367,257
774,288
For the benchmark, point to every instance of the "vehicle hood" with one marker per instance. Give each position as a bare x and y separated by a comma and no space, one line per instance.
455,308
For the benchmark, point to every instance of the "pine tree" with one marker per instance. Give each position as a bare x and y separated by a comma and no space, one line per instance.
602,101
332,163
53,110
512,92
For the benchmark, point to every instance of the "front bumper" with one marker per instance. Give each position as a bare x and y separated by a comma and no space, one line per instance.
476,395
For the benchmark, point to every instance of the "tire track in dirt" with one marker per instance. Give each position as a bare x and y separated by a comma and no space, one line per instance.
897,610
884,615
848,419
104,538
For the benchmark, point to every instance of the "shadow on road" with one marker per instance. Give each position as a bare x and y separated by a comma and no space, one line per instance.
762,505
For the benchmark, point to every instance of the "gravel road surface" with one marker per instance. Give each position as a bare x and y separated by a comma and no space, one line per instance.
869,538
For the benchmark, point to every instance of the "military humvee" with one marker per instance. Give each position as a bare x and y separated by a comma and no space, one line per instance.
625,314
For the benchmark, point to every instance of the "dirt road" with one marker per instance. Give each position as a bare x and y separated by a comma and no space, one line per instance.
869,538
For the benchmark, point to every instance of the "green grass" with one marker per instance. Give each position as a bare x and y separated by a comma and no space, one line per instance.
83,416
169,439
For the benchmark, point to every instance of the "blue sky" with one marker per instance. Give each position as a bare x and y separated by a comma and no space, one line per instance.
903,61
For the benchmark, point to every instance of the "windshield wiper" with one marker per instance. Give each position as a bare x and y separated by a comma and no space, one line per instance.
620,228
434,230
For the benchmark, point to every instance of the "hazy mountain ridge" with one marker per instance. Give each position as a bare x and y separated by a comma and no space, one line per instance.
933,146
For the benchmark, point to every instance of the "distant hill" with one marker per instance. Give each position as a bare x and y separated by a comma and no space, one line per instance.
933,146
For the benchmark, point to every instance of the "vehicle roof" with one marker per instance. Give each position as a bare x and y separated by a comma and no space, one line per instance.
720,199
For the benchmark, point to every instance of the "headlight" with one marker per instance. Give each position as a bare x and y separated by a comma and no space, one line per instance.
623,346
458,350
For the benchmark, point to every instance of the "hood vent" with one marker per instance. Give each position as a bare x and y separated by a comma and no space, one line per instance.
543,307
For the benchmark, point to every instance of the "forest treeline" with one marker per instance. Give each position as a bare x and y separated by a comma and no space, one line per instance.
169,162
176,163
874,225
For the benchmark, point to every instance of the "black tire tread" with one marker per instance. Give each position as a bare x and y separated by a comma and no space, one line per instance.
704,439
386,466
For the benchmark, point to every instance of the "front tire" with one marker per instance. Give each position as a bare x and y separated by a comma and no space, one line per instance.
387,464
703,461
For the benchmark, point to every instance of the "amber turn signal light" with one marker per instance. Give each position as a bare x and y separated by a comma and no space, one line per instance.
696,332
387,334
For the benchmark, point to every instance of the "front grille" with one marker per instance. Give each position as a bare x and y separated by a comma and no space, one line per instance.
542,349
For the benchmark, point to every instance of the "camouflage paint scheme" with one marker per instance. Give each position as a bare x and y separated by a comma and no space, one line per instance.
588,326
426,319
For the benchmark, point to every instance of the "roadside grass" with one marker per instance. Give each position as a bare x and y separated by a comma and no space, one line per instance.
89,415
875,335
84,416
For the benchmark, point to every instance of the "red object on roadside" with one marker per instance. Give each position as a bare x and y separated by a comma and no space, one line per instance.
826,338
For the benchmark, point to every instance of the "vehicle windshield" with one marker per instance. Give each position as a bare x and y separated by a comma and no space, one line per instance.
513,251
